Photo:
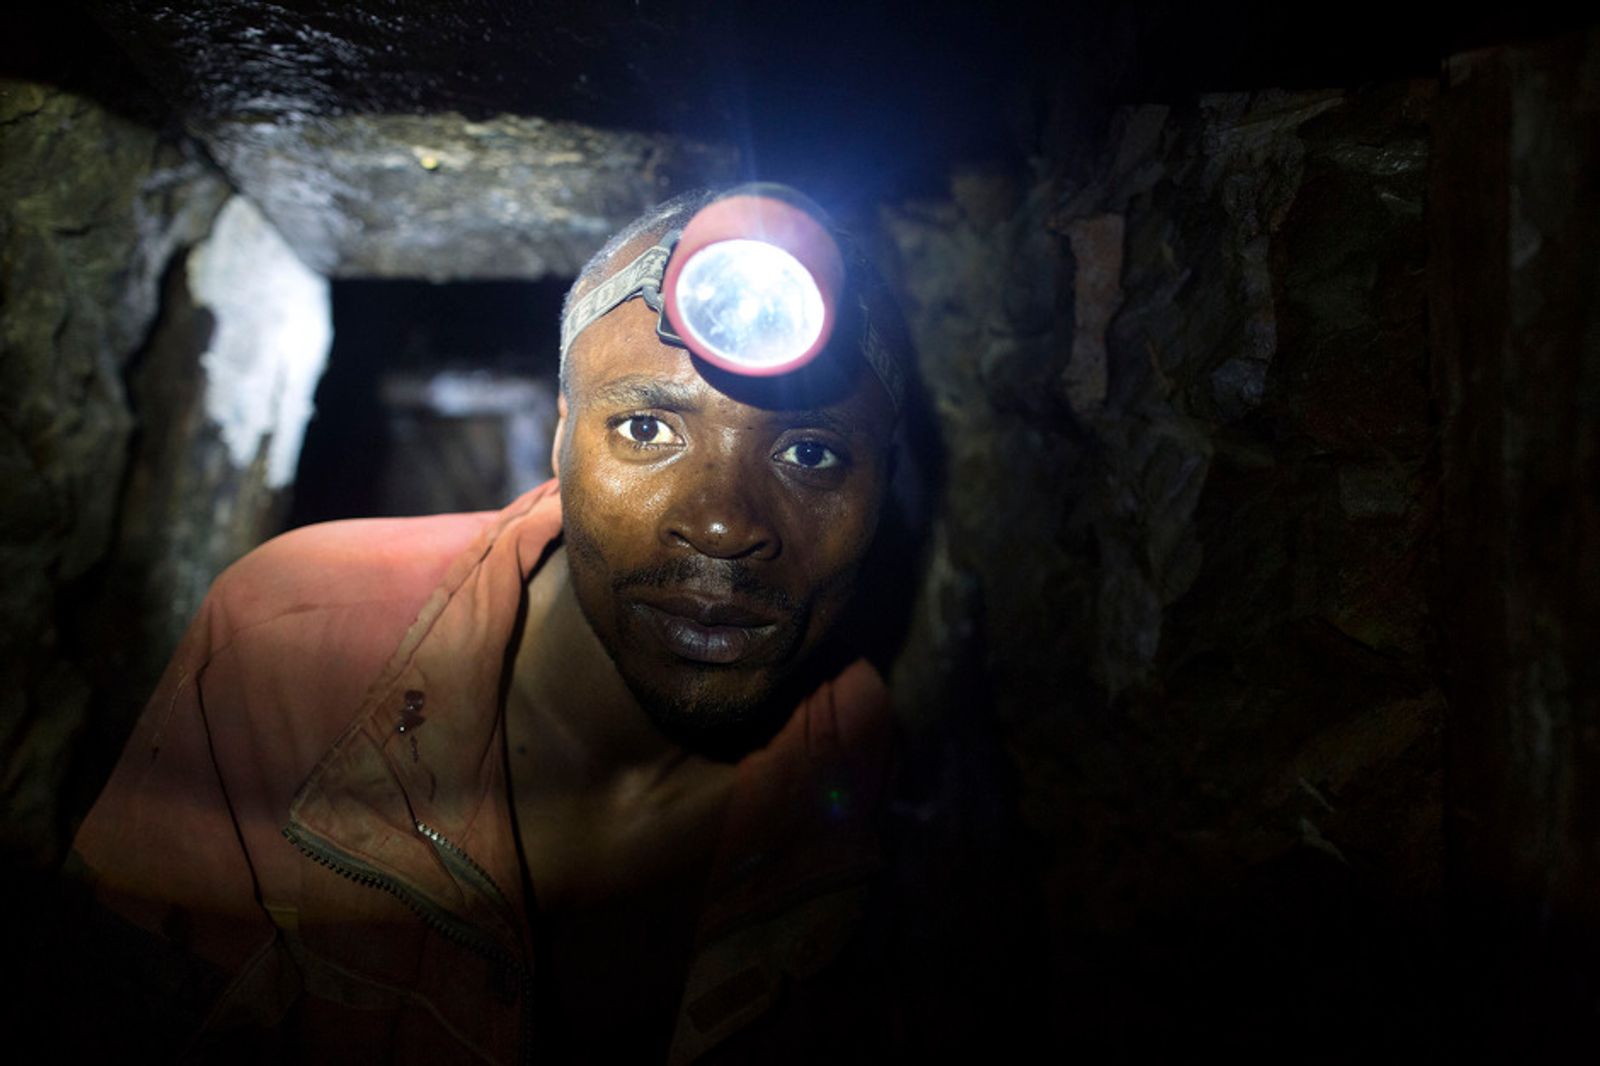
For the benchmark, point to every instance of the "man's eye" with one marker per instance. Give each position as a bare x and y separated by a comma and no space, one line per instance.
645,429
810,455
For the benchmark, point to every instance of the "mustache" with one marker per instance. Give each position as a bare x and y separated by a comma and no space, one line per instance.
708,576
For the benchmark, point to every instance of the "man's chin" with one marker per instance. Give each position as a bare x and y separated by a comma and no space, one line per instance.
723,723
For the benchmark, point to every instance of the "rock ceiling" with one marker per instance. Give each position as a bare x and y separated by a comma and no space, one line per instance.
492,138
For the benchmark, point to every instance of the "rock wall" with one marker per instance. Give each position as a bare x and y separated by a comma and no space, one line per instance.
160,347
223,390
442,197
93,208
1184,388
1516,287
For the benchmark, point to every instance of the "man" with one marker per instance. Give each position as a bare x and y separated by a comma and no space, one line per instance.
589,778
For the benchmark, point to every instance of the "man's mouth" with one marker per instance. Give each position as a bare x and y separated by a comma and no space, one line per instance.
707,629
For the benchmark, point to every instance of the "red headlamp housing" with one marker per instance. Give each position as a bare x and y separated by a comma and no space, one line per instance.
752,285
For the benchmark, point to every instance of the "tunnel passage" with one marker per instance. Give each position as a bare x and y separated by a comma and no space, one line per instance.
437,398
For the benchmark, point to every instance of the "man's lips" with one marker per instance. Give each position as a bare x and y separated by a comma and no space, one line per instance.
707,629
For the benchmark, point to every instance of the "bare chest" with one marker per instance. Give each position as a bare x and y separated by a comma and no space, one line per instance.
616,890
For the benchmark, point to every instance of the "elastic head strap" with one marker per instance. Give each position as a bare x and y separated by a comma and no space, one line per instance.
642,277
884,365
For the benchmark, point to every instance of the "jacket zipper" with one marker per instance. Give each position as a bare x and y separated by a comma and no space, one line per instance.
441,920
468,867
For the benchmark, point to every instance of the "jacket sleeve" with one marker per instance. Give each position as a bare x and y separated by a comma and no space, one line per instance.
173,913
184,850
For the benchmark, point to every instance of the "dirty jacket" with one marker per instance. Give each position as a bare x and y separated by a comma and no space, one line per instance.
314,804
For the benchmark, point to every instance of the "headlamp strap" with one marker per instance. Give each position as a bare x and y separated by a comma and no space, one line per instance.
642,277
884,364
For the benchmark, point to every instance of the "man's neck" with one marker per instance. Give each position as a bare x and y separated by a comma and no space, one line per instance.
574,701
607,808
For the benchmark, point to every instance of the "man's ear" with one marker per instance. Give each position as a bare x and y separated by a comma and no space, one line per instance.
561,429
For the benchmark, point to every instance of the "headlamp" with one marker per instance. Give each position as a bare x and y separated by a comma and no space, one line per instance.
749,285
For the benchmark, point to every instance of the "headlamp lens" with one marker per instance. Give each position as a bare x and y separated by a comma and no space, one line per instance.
750,303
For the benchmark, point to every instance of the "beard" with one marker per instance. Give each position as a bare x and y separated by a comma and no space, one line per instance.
717,727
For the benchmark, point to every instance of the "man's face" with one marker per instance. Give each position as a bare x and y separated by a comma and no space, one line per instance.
714,524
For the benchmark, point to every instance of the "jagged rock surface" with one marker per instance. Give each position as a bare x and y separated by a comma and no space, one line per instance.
444,198
1185,396
94,208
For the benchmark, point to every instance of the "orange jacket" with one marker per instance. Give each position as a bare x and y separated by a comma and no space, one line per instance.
340,688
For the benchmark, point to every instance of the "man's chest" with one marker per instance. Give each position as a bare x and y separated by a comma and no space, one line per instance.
615,886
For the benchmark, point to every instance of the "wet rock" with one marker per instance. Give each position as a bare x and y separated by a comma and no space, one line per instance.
93,207
279,62
446,198
1096,248
224,390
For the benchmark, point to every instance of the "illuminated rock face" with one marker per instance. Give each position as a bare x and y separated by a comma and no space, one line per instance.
94,208
271,328
223,393
162,344
449,141
446,198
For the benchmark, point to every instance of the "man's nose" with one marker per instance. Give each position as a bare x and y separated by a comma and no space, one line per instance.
720,514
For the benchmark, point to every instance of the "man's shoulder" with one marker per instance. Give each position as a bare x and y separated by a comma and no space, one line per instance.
343,564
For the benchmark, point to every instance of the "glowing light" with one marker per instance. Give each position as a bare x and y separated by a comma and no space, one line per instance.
750,303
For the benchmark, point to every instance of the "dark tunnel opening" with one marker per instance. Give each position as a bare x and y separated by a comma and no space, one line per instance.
437,398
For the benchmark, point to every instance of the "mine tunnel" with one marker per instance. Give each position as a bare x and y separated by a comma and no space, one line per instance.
437,397
1241,639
